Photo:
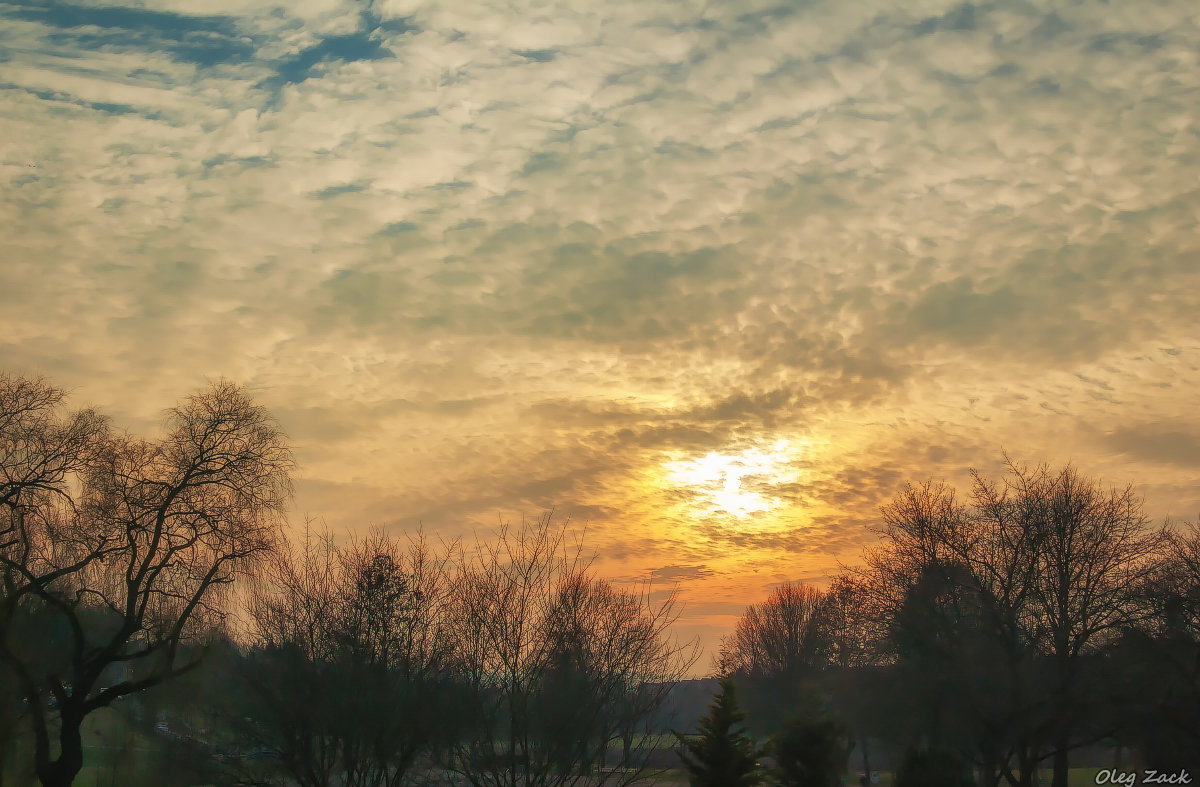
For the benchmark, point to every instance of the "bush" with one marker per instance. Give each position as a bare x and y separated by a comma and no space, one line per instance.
934,767
811,752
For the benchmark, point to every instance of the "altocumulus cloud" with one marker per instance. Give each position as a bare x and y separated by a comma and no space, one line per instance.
520,257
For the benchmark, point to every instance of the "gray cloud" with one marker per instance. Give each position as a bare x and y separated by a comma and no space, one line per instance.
1159,443
681,572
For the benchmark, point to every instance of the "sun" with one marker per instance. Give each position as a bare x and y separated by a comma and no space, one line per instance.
735,483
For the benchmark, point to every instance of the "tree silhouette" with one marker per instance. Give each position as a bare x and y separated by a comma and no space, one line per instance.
934,767
721,756
117,554
811,751
348,682
776,651
557,661
999,610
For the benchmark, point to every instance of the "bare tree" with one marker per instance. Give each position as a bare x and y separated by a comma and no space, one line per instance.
776,652
558,661
855,636
1005,601
1094,550
783,638
917,525
970,616
41,451
288,672
853,631
394,657
119,550
349,674
1154,669
1183,567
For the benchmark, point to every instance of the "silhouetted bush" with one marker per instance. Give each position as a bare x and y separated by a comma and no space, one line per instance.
811,751
934,767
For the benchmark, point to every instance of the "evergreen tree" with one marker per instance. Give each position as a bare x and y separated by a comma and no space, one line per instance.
721,756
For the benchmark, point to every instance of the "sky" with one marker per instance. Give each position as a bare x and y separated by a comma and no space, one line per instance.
711,280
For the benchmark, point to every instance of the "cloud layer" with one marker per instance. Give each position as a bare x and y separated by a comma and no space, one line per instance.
539,254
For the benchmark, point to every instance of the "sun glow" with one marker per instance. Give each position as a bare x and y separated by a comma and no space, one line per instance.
737,484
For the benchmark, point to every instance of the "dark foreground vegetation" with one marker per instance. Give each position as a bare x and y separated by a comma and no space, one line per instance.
153,611
987,639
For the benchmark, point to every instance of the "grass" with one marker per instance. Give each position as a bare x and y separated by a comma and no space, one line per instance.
1078,777
120,754
115,753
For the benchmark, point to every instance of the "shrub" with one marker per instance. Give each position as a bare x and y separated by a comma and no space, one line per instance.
936,766
811,751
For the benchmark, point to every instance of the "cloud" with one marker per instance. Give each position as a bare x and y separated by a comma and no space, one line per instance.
681,572
532,255
1175,444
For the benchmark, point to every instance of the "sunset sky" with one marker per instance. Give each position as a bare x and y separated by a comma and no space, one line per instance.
712,278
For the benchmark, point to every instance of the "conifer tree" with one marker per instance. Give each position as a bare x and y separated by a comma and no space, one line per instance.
722,755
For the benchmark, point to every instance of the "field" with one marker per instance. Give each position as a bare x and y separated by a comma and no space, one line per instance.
115,754
120,755
152,772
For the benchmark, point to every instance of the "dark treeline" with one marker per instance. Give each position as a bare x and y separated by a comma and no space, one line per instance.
506,663
152,599
991,637
378,662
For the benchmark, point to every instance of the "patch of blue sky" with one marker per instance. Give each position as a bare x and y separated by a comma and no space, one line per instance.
201,40
335,191
107,107
537,55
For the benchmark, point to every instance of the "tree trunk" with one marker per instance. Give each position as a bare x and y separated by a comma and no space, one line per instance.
1061,765
62,772
1062,737
866,761
1028,773
987,774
